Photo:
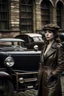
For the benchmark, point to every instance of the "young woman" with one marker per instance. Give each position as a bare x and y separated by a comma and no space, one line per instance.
51,64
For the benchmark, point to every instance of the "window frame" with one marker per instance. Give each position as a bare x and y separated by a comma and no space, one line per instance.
46,8
27,27
4,20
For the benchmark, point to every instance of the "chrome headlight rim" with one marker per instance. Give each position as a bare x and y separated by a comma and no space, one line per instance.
9,61
21,80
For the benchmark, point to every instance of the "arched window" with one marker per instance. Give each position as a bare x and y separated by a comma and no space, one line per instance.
26,15
45,12
4,14
59,12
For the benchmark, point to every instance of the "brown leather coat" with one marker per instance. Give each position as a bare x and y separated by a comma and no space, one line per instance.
51,63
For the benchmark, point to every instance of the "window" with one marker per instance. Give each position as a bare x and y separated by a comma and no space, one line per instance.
4,14
45,12
59,8
26,15
37,38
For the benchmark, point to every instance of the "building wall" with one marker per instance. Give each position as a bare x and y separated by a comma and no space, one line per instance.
14,14
53,12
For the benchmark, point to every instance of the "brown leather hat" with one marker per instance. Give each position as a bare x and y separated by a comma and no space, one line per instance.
52,27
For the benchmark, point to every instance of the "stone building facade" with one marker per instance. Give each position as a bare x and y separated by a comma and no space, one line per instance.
19,16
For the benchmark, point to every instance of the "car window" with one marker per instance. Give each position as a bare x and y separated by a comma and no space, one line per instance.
37,38
18,44
25,38
9,44
61,36
5,44
31,39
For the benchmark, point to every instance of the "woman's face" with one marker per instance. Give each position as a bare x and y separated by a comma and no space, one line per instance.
49,35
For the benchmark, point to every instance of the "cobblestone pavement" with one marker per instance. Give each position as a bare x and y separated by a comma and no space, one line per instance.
33,92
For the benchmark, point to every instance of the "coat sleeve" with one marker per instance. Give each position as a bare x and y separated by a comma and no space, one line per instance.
40,69
60,61
41,60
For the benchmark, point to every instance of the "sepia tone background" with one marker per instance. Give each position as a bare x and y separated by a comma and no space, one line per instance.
19,16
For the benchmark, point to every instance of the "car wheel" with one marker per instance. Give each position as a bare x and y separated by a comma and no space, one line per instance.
6,88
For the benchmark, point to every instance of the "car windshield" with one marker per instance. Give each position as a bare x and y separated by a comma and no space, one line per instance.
37,38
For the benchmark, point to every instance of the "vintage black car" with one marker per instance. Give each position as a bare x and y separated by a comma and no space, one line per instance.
18,66
32,39
61,36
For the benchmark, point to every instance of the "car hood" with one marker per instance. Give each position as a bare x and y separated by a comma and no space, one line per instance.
24,60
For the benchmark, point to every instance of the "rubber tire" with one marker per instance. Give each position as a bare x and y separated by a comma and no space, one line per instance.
6,84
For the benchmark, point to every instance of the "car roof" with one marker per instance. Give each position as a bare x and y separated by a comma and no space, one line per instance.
33,34
11,40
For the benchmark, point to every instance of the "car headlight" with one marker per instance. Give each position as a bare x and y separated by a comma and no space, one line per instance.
9,61
21,80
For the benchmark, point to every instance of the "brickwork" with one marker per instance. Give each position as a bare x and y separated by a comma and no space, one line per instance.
53,14
14,17
38,17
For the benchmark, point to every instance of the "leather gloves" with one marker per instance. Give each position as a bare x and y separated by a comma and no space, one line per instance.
51,78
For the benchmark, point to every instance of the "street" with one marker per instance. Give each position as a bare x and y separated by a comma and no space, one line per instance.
33,92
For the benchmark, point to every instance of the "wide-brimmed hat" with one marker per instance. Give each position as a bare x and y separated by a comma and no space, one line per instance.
53,27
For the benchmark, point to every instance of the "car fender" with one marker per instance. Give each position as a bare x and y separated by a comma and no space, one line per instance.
5,75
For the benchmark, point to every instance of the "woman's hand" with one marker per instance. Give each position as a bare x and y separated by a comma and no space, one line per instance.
51,78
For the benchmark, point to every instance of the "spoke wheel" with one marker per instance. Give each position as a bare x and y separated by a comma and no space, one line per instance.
6,88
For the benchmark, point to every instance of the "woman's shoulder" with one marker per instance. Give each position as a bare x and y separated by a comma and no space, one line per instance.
59,45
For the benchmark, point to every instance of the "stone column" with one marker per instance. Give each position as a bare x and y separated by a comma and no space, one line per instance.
14,12
34,17
38,17
54,18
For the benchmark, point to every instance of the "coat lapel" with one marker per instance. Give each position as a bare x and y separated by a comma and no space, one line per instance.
51,50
